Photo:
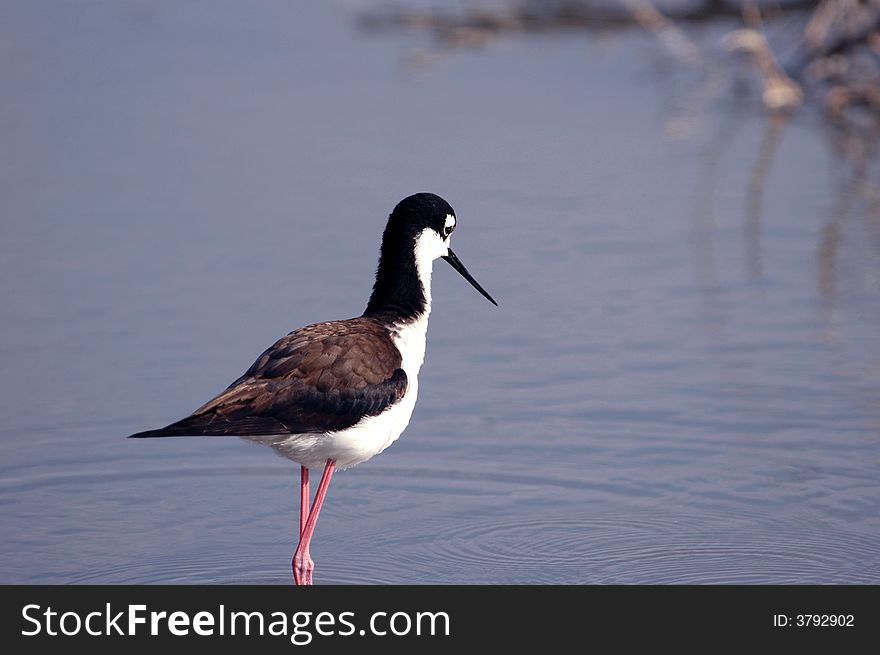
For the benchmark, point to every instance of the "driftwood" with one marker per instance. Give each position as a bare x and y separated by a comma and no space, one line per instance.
837,42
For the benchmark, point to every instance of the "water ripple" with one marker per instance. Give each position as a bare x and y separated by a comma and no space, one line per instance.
649,549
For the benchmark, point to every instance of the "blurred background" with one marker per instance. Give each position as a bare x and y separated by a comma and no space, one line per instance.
676,205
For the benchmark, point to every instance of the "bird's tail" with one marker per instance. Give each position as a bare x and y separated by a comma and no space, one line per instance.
173,430
211,425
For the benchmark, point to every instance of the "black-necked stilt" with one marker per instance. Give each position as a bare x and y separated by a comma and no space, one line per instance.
338,393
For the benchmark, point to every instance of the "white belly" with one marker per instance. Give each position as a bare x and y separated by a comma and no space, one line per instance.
357,444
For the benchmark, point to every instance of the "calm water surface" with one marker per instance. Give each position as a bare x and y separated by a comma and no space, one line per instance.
681,383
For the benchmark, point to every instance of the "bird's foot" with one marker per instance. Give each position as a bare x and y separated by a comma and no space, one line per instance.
303,566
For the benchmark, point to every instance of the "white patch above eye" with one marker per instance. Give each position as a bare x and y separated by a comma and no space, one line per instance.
450,220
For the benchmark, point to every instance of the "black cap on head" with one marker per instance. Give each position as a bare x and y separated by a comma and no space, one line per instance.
422,210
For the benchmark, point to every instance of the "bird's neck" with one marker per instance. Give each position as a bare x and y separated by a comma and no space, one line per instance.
402,292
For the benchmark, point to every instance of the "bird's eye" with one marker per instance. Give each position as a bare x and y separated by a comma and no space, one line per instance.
449,226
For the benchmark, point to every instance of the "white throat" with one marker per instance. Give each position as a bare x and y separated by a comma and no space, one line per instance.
428,247
411,336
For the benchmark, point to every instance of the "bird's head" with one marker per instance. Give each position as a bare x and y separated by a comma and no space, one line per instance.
427,222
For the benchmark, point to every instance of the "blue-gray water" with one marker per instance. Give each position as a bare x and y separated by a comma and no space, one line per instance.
681,383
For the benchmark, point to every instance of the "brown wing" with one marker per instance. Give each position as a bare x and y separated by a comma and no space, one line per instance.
320,378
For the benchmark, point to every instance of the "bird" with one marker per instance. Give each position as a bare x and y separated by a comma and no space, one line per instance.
337,393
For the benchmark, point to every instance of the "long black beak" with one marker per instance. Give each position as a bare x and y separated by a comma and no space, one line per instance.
455,262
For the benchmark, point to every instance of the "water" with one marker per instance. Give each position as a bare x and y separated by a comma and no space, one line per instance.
680,383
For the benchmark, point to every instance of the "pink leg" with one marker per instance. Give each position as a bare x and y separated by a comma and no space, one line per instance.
303,517
303,498
303,566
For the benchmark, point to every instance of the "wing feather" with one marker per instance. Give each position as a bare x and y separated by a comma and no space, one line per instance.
321,378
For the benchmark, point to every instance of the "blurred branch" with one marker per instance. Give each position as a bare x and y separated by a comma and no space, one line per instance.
550,15
675,40
780,92
837,42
